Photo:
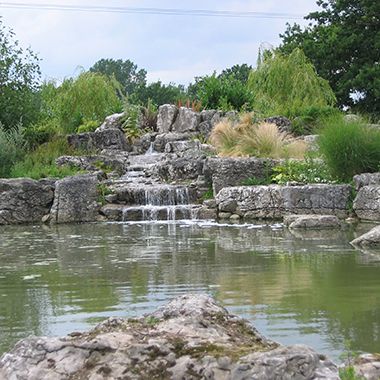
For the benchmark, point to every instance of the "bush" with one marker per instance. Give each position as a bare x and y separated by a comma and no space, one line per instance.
41,163
349,147
225,93
12,148
247,138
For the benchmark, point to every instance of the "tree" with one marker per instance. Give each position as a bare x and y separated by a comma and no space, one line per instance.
287,84
241,72
78,100
19,81
125,72
157,93
343,43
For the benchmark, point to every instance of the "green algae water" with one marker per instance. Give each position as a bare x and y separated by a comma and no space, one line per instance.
304,286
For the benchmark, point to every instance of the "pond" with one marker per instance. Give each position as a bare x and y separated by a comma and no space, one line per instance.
301,286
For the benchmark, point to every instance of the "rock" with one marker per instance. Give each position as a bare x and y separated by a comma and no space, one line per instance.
371,238
311,221
205,129
228,171
93,162
112,138
276,201
283,123
76,199
111,121
365,179
367,203
187,120
142,144
162,140
24,200
367,366
184,148
190,337
167,114
185,168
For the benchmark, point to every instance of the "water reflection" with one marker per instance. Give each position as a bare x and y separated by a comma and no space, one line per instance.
299,286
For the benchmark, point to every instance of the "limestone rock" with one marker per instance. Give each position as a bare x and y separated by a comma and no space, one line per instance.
367,203
311,221
163,139
366,179
283,124
276,201
75,199
183,168
111,121
371,238
93,162
167,114
187,120
191,337
228,171
112,138
184,148
24,200
142,144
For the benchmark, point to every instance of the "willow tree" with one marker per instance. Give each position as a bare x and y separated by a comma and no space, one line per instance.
287,84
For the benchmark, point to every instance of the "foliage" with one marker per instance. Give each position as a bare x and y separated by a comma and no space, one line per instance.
157,93
349,147
194,105
89,96
41,163
247,138
131,120
224,93
103,190
309,170
240,72
253,181
40,133
348,372
19,81
13,146
209,194
125,72
149,117
287,84
343,43
88,125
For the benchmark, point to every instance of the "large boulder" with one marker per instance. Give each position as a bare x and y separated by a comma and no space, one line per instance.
167,115
276,201
76,199
365,179
184,148
192,337
367,203
187,121
163,139
112,121
112,138
184,168
311,221
283,123
228,171
24,200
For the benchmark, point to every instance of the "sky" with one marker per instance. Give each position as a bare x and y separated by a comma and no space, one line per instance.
170,47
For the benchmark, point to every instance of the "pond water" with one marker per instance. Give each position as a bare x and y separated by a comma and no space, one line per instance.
306,286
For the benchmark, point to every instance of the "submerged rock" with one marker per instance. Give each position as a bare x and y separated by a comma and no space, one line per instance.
191,337
371,238
311,221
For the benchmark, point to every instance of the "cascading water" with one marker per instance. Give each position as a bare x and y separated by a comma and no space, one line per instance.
147,199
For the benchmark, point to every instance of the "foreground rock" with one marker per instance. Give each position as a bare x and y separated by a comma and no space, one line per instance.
367,203
192,337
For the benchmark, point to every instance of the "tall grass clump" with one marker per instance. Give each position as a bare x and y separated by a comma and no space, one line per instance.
349,147
247,138
12,148
41,162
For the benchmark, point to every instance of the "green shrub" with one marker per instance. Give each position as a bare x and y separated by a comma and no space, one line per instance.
349,147
305,171
12,148
41,163
89,125
225,93
132,120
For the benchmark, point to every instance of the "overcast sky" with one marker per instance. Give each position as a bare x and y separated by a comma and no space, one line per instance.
172,48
